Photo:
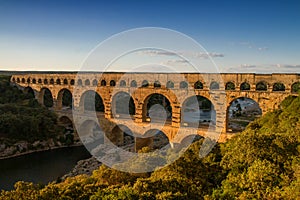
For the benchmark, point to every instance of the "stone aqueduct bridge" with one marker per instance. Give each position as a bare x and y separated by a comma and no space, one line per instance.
268,90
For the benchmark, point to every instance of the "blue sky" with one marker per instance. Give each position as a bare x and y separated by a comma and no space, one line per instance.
251,36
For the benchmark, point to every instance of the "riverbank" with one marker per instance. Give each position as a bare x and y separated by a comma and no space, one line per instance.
23,148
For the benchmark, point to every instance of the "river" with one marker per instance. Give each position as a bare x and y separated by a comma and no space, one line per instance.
40,167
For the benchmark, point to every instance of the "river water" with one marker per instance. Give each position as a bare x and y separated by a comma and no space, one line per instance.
40,167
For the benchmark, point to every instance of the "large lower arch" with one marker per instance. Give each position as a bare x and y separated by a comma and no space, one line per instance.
241,112
153,139
46,98
295,87
122,136
64,99
91,134
198,111
67,123
157,107
29,92
123,105
91,101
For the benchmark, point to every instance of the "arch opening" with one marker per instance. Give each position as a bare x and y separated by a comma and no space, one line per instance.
278,87
153,139
29,92
103,83
122,83
241,112
122,136
198,111
214,85
87,82
133,84
123,105
47,98
245,86
65,81
261,86
91,101
91,134
95,82
295,87
70,134
198,85
157,108
112,83
230,86
183,85
170,84
65,99
157,84
145,83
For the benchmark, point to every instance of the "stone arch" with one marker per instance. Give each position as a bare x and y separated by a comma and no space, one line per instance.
45,81
79,82
28,80
51,81
67,123
34,81
122,83
90,133
58,81
170,84
158,112
214,85
112,83
123,105
295,87
240,112
198,85
154,139
23,80
278,87
18,80
72,82
91,101
133,83
65,81
64,99
87,82
103,83
46,98
245,86
198,111
183,85
39,81
157,84
145,83
95,82
230,86
122,136
261,86
29,92
13,79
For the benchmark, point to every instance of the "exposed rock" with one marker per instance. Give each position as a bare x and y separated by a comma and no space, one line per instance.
86,166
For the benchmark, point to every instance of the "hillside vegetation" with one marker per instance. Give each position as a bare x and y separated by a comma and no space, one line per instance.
262,162
23,120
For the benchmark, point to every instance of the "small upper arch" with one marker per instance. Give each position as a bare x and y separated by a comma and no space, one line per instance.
214,85
278,87
261,86
230,86
245,86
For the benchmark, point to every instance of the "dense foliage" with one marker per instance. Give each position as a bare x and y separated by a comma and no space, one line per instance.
22,118
262,162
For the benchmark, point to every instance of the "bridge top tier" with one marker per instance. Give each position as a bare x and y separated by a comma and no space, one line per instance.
228,81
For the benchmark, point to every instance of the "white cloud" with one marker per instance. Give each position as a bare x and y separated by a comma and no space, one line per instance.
203,55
